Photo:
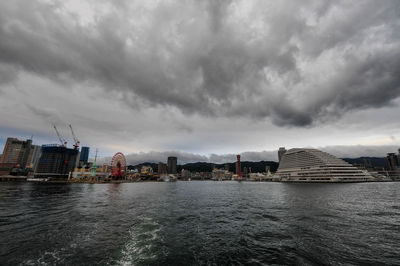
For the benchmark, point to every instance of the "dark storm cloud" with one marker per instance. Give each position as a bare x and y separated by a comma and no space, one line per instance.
296,63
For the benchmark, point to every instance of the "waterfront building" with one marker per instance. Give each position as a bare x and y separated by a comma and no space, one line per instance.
84,156
56,162
392,161
311,165
172,165
221,174
146,169
16,152
85,173
186,174
17,155
262,177
162,169
281,152
393,166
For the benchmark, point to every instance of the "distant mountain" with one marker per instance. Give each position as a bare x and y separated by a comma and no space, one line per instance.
208,167
139,166
255,166
375,161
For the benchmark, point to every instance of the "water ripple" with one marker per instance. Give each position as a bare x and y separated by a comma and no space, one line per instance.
199,223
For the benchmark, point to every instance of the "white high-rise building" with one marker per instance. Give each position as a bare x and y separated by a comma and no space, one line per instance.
311,165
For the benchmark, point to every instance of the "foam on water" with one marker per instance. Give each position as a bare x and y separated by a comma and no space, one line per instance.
140,243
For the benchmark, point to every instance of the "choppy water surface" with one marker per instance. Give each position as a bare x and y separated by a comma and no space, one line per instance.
190,223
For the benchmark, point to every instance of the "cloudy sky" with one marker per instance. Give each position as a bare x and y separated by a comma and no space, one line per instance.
203,79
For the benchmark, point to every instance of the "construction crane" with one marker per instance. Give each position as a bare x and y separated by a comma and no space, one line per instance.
77,142
60,138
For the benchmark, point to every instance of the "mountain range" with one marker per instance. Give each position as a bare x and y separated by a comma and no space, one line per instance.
255,166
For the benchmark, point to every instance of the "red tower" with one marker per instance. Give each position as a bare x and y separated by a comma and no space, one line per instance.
238,168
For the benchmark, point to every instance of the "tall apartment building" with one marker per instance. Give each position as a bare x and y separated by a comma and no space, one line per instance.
16,152
162,168
172,165
19,154
84,157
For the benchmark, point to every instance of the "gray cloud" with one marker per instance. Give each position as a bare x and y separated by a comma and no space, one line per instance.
355,151
340,151
185,157
155,157
296,63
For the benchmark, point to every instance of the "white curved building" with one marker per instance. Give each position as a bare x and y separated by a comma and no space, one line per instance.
311,165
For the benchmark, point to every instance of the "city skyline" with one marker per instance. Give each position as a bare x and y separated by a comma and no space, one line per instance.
204,80
251,156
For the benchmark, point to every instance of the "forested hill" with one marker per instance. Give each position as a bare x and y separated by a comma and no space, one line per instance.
208,167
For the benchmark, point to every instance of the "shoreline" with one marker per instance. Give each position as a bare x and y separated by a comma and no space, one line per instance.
19,179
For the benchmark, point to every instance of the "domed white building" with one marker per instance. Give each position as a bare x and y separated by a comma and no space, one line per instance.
311,165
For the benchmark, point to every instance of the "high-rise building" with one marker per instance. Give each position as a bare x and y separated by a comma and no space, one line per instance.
172,165
162,168
281,152
392,161
56,161
17,152
84,154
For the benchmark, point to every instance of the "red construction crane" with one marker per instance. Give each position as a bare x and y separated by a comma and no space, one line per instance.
77,142
60,138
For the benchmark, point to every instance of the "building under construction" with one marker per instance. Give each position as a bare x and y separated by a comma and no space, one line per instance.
56,162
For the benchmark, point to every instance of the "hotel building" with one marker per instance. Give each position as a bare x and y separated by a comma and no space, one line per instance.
311,165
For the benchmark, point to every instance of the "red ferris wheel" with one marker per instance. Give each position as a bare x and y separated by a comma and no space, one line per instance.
118,166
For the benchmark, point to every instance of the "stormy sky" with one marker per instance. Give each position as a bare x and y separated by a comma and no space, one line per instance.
203,79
